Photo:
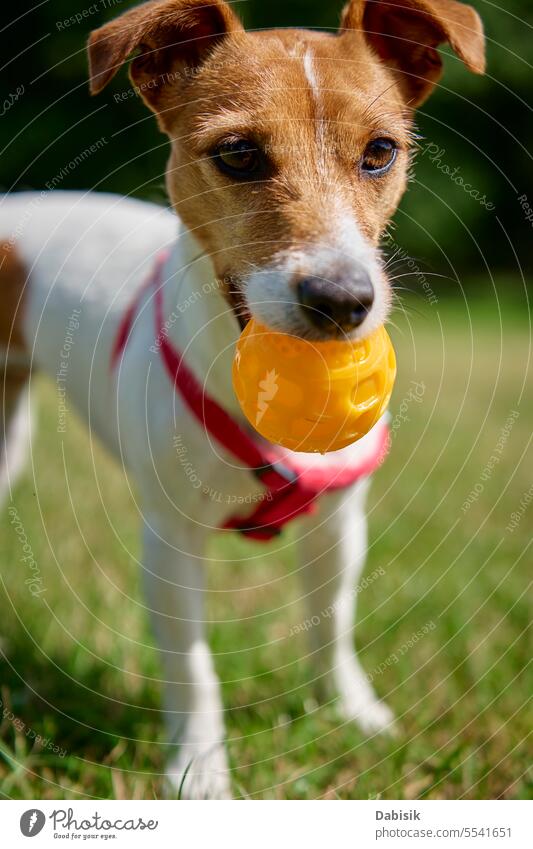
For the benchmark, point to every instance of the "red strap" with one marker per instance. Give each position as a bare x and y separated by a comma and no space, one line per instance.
215,419
270,515
289,492
299,498
125,326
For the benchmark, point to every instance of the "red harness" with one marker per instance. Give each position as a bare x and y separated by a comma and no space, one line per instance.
293,482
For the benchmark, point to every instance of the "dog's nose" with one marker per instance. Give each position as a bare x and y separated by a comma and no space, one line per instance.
336,306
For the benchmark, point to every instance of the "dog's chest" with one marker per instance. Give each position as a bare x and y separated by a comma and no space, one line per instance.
181,467
211,484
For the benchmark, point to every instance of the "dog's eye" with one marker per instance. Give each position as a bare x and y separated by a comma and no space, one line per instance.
378,156
238,158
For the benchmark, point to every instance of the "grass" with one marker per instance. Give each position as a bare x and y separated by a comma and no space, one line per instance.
78,666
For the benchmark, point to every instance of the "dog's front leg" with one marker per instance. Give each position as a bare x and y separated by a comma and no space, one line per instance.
175,589
333,545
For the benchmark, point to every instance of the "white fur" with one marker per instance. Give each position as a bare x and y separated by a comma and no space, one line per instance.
310,73
16,434
91,253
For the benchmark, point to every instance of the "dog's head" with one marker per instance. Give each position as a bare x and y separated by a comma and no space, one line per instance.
290,148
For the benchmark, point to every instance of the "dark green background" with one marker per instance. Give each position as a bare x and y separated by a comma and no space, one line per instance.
482,123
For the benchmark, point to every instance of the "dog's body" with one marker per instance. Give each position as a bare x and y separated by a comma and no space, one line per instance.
88,255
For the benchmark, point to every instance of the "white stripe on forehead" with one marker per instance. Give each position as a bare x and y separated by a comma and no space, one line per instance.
309,69
310,73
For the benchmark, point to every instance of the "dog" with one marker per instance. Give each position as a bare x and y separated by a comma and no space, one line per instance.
289,152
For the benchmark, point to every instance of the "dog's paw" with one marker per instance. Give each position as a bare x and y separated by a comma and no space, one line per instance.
372,716
197,773
356,699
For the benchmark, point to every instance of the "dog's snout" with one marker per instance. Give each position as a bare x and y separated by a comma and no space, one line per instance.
336,306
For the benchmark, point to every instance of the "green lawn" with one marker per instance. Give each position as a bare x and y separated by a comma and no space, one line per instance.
78,666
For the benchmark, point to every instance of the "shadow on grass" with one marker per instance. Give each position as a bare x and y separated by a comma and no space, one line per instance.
56,703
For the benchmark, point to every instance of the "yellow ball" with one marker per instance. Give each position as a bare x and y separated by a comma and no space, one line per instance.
312,396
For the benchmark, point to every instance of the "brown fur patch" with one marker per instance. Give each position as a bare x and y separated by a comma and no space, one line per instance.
13,278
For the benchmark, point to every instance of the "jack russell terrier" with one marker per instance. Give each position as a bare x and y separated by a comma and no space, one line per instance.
289,153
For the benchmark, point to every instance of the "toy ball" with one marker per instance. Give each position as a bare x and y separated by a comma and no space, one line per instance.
312,396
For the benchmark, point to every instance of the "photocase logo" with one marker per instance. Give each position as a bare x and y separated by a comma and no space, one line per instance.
32,822
268,388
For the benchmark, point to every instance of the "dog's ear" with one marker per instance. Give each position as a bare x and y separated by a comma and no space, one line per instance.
405,34
171,35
